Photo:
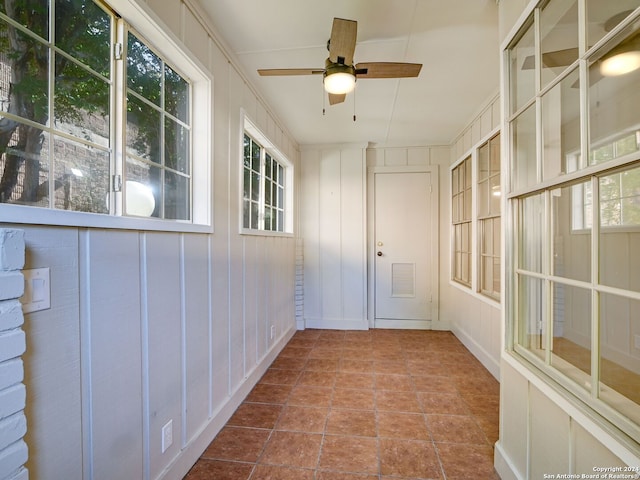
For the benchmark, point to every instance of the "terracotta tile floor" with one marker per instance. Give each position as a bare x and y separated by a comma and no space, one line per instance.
362,405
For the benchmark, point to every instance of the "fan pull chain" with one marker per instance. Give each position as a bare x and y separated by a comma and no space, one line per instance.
354,105
324,100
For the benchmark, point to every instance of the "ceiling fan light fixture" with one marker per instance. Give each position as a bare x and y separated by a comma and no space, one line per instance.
339,79
339,83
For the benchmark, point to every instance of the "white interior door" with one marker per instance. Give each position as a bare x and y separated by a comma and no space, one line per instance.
402,257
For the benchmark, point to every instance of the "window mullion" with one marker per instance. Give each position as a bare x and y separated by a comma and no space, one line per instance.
119,109
595,294
261,200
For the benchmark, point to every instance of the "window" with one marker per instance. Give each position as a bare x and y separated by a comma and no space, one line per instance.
620,192
94,118
267,179
461,222
489,198
573,292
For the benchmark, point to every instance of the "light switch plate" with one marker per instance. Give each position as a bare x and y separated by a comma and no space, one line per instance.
37,290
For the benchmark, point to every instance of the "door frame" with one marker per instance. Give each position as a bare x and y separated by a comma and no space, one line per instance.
434,241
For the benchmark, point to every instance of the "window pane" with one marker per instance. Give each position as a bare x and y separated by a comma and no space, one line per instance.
522,73
560,126
619,248
268,215
24,172
558,37
247,183
602,17
483,162
81,103
614,105
267,166
494,198
267,192
255,157
23,91
280,221
246,212
176,196
571,249
281,197
483,198
494,160
81,176
176,95
83,30
255,186
619,372
254,215
531,304
630,193
150,177
143,130
144,70
572,333
36,17
247,152
176,141
532,229
524,149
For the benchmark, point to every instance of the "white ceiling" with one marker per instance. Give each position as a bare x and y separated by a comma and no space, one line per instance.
455,40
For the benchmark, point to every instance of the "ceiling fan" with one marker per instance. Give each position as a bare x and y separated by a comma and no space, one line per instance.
340,73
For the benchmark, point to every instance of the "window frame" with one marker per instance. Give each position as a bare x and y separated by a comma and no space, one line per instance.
142,21
249,128
593,396
476,222
459,221
489,218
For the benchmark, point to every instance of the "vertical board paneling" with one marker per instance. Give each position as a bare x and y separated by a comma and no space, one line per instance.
330,235
252,283
194,36
219,293
161,290
197,288
310,227
236,324
261,315
353,243
52,359
549,445
113,274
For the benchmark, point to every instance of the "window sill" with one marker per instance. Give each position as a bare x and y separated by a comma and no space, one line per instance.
265,233
21,214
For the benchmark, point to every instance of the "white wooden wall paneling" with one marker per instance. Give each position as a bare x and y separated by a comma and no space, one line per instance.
163,294
197,334
112,262
330,238
53,339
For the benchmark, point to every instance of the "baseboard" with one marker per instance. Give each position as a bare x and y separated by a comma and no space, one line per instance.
491,364
403,324
198,444
502,464
337,323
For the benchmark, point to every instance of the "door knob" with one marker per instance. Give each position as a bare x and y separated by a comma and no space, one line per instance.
379,254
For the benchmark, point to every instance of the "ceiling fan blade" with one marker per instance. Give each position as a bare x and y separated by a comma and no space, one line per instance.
336,98
343,41
387,70
274,72
557,58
